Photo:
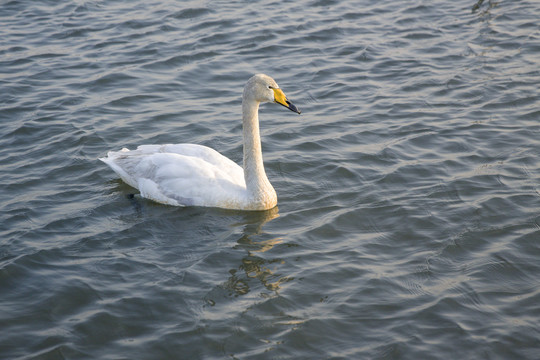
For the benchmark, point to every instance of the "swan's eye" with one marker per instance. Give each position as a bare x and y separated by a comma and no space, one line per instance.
270,87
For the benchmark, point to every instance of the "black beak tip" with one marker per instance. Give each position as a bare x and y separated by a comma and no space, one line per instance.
293,108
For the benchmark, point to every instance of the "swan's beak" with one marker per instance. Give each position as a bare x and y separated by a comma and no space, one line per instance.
280,98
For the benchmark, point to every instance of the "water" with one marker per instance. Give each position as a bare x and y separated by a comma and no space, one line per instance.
408,221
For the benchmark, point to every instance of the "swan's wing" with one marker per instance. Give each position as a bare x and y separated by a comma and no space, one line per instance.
181,174
204,153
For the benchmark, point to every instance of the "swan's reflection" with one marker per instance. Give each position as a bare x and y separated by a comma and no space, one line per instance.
253,265
479,3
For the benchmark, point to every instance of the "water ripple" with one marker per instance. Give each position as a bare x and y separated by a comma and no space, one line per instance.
408,188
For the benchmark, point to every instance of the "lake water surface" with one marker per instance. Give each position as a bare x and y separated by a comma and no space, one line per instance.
408,221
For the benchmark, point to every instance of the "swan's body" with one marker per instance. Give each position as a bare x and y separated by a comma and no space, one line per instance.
189,174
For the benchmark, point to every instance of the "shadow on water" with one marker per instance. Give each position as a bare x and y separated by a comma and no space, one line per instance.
215,228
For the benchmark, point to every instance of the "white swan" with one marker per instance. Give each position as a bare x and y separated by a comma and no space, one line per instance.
189,174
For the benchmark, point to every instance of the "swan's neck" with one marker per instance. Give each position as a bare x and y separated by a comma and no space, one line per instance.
258,187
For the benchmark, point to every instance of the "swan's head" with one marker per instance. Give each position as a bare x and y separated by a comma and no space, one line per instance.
262,88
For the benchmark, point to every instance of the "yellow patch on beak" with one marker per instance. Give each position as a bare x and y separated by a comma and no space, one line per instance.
280,97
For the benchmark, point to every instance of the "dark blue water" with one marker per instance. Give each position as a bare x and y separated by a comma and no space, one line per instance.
408,219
